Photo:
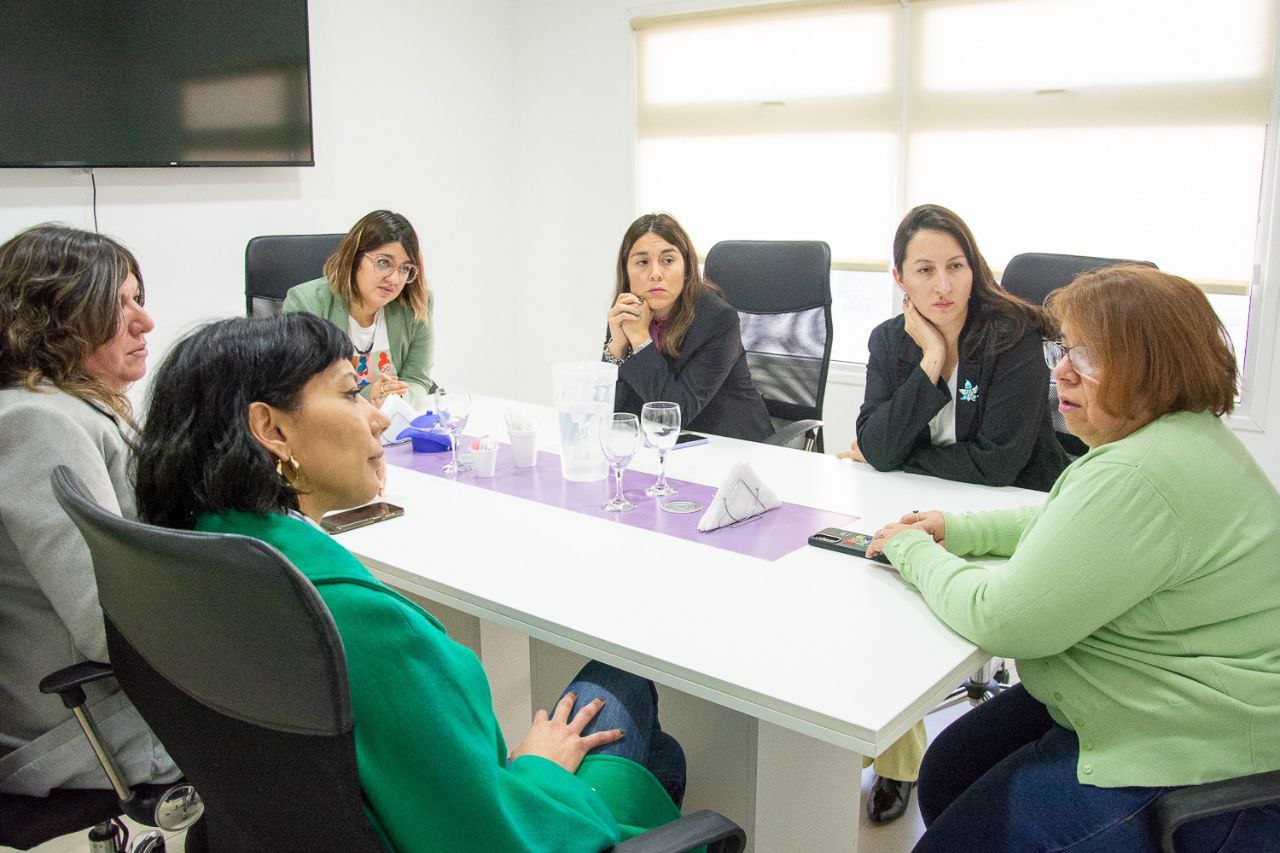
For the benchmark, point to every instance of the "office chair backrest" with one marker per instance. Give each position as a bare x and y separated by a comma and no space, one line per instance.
782,292
1033,276
232,658
273,264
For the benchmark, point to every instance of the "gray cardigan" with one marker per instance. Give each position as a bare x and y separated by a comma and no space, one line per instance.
49,614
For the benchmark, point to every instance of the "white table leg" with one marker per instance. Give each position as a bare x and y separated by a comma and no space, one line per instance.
807,793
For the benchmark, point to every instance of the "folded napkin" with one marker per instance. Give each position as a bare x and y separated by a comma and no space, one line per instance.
408,425
742,495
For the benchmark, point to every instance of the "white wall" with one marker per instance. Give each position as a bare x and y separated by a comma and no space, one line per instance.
412,110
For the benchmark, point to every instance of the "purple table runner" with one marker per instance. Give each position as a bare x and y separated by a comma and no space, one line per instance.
772,535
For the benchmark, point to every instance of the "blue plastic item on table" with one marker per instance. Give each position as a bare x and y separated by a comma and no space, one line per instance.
425,434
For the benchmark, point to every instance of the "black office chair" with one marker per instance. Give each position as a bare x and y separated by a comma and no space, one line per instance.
1175,809
273,264
1033,276
782,292
26,822
232,657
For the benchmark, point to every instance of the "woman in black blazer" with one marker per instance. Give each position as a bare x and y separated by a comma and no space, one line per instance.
674,339
956,388
956,384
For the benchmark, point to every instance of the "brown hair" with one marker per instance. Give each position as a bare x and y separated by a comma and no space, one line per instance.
681,317
1157,342
373,230
996,319
60,301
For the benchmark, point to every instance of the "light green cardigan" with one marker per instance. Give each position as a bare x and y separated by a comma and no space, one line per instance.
431,758
412,341
1142,602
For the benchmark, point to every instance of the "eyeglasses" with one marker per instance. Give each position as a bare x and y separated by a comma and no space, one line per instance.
387,267
1079,356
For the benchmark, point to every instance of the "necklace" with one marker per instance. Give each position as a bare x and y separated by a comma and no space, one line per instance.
373,336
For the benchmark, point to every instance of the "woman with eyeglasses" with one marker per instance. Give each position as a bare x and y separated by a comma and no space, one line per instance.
373,289
956,388
1141,600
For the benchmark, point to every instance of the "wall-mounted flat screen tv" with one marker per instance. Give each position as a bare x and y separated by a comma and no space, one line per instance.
154,83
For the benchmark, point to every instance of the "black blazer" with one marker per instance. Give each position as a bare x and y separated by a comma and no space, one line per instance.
1003,432
709,379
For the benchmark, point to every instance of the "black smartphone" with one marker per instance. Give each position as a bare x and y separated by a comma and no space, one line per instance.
689,439
846,542
350,519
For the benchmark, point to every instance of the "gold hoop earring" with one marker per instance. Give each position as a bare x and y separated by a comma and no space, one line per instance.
294,473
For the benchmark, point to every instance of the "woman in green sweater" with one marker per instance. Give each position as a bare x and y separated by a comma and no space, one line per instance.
1142,600
258,427
374,290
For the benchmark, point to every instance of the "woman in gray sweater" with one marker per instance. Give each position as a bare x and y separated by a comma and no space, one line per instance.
73,340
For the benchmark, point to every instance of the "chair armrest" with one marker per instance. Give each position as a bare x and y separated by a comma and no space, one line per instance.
789,435
701,829
69,681
1174,808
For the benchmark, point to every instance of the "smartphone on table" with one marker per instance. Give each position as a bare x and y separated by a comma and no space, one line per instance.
689,439
846,542
350,519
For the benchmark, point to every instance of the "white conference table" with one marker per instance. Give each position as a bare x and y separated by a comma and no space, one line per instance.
824,646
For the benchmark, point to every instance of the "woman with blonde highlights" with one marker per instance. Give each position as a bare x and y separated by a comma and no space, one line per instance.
73,341
1142,600
374,290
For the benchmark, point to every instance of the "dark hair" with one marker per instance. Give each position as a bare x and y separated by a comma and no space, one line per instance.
60,301
373,230
996,319
1159,345
195,453
681,317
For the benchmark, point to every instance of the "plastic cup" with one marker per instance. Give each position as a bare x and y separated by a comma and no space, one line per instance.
524,448
484,462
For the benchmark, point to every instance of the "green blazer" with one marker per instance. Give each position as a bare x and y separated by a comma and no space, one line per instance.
431,758
412,341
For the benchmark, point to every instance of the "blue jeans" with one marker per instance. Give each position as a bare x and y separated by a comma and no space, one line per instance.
1003,778
631,704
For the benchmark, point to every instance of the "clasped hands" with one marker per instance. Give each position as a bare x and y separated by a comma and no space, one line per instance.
384,386
629,320
931,522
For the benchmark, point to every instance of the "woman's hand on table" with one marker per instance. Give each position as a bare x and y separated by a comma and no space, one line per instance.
558,738
931,522
853,453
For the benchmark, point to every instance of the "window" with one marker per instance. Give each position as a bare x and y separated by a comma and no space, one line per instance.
1125,128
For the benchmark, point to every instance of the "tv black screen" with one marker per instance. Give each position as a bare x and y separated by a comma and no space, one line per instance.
154,83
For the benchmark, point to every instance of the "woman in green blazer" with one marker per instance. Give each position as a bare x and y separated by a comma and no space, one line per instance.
373,289
285,437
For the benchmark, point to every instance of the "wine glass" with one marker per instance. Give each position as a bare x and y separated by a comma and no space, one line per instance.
453,408
661,425
619,438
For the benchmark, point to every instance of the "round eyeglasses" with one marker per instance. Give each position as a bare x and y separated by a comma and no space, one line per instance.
387,267
1079,356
